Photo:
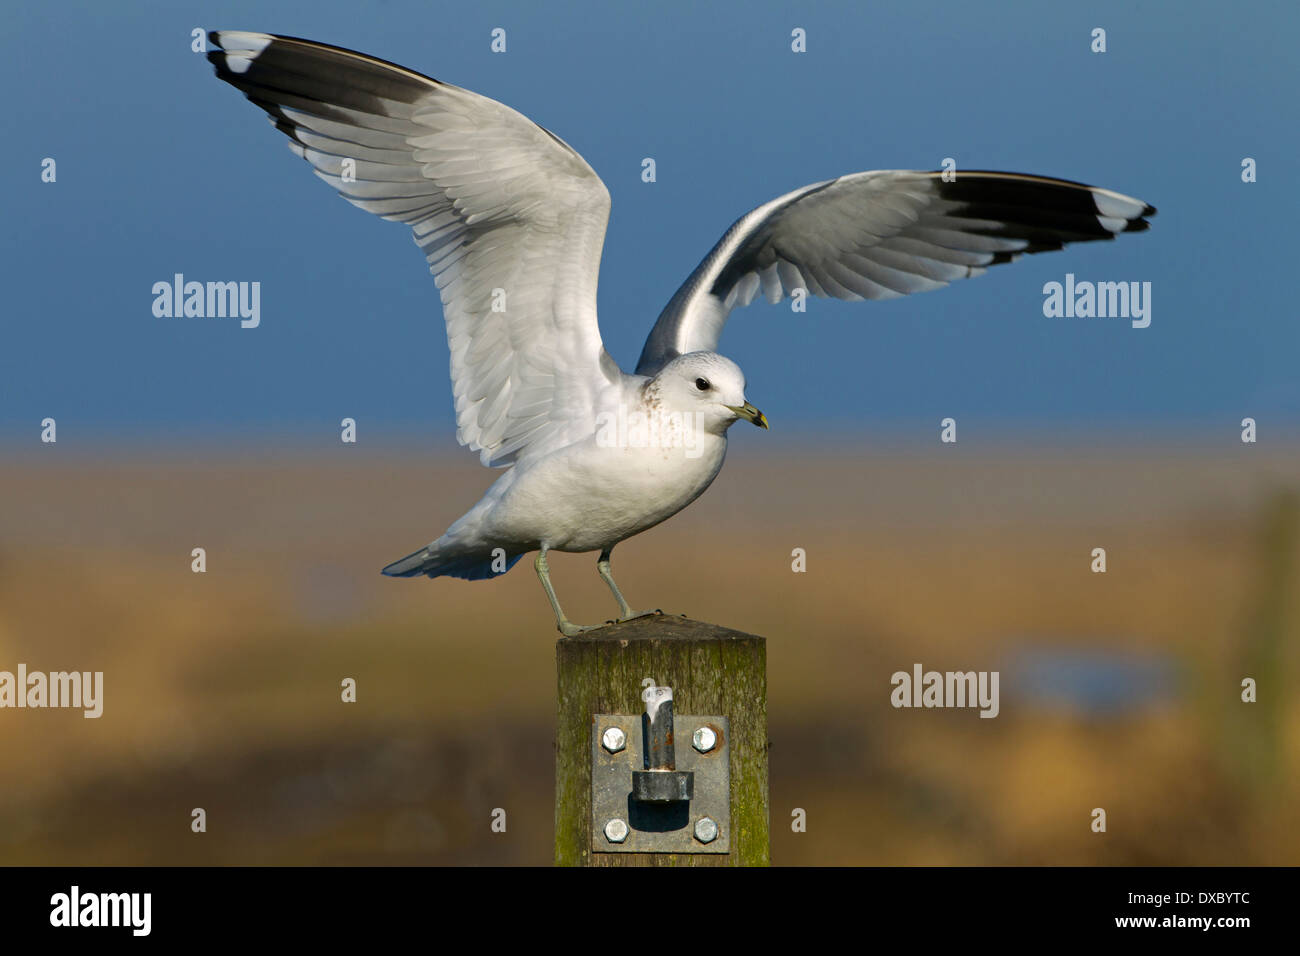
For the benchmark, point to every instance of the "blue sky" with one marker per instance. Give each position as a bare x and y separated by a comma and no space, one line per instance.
164,169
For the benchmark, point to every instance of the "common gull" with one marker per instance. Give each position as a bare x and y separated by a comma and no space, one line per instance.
512,220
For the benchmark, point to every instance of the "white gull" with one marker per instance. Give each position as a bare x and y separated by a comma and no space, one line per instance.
512,221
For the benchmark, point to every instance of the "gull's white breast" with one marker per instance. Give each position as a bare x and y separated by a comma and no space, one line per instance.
591,495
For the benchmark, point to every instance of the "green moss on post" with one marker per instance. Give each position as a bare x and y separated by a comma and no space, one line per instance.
712,670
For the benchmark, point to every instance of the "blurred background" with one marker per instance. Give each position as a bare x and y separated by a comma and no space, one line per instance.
222,690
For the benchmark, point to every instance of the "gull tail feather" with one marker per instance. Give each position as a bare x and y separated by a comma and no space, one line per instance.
437,561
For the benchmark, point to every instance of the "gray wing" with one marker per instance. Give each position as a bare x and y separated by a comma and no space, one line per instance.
880,235
510,218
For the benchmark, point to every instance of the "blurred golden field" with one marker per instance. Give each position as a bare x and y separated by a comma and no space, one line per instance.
222,688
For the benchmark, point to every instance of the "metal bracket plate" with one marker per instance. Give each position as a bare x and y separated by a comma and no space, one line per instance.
660,829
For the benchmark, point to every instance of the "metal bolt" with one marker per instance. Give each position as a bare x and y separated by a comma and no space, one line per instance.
613,740
705,739
616,830
706,831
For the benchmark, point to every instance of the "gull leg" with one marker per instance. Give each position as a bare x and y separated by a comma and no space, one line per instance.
562,623
625,613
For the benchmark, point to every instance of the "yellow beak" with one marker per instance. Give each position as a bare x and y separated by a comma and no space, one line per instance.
750,414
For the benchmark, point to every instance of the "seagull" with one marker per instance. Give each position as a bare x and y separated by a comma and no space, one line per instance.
512,222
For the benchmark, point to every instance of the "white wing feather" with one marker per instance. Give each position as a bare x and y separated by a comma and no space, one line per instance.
880,235
510,218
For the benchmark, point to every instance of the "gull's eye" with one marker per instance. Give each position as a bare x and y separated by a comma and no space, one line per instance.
702,384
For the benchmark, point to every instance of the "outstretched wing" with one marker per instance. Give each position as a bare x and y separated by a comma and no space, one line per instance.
510,217
881,235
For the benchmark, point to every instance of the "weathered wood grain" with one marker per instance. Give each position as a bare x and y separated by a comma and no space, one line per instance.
712,670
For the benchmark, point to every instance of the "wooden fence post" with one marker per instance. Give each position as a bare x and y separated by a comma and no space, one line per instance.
712,670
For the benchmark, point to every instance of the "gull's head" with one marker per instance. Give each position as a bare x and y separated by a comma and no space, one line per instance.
710,386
